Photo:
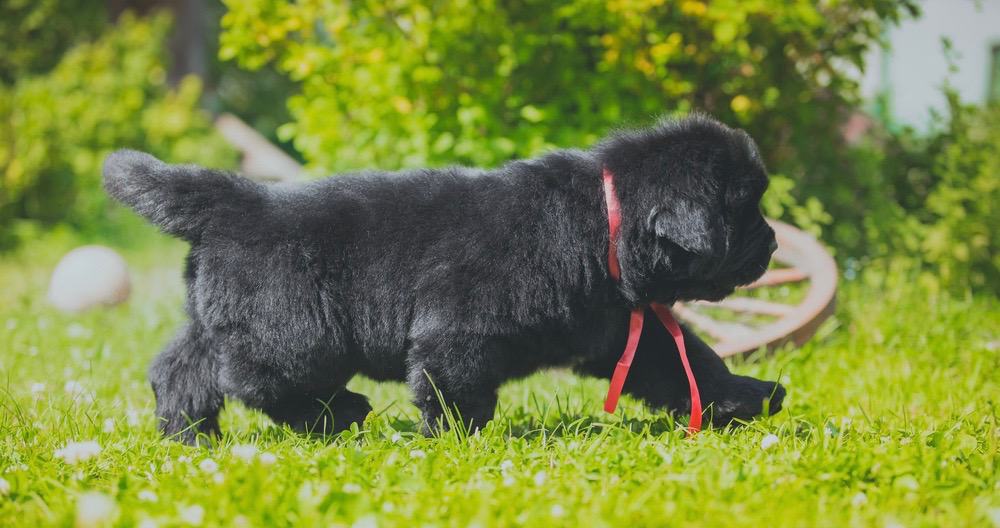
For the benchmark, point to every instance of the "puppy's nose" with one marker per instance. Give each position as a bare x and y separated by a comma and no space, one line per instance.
773,246
777,398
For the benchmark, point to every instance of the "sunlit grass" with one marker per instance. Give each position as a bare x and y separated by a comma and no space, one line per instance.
891,419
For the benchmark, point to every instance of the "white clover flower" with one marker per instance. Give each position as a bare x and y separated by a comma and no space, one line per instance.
148,496
506,466
193,515
94,509
109,426
509,481
351,487
540,478
4,487
75,452
396,437
218,478
418,454
267,458
244,452
148,523
388,507
78,391
37,389
77,331
132,417
859,499
184,459
557,510
769,441
208,466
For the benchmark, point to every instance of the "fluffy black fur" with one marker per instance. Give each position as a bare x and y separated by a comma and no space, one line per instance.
455,278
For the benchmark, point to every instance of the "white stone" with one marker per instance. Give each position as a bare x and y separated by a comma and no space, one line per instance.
87,277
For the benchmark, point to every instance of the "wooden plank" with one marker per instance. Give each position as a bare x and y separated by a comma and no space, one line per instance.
722,331
754,306
774,277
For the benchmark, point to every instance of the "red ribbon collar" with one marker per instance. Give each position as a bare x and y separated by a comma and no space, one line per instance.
635,321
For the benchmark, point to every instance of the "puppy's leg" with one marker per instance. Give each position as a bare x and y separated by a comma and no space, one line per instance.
657,377
184,379
312,414
461,374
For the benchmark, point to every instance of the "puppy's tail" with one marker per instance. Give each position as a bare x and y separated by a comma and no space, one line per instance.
182,200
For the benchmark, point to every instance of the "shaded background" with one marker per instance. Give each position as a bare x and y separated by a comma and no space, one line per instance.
832,91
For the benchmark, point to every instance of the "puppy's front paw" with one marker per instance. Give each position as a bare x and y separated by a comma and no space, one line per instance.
744,399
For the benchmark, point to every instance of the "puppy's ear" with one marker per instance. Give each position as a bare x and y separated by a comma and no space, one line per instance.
686,224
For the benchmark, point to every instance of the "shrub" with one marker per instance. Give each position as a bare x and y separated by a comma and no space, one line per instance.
56,128
404,83
946,187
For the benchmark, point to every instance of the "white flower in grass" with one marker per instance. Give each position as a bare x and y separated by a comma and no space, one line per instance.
4,487
78,391
396,437
267,458
37,389
506,466
148,523
94,509
859,499
193,515
219,478
208,466
147,496
132,417
769,441
509,481
109,426
557,510
540,478
388,507
77,331
75,452
418,454
367,521
184,459
352,488
244,452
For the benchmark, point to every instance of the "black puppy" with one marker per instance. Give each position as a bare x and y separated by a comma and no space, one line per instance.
455,278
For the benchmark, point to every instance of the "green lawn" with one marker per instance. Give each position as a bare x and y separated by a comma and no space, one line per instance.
891,420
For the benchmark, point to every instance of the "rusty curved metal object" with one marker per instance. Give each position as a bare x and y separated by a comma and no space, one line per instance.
806,260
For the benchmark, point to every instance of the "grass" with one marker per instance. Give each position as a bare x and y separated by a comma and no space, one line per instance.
891,420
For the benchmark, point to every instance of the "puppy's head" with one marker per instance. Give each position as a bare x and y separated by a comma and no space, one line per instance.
692,227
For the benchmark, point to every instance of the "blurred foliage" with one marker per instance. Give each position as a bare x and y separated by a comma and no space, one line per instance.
932,198
403,83
35,33
56,128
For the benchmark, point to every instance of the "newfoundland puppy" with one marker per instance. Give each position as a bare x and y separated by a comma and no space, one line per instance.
454,280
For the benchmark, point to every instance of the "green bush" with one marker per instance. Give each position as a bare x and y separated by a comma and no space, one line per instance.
35,33
56,128
938,196
404,83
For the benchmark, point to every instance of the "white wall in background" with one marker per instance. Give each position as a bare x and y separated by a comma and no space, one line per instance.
914,69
